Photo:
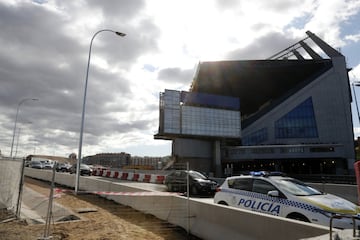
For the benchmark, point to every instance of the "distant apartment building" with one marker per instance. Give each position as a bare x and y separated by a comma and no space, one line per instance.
113,160
147,162
124,160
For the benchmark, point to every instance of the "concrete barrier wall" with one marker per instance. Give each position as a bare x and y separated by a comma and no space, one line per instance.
214,222
207,221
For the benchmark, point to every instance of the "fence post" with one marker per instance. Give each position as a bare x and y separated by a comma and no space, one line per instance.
357,174
21,186
49,211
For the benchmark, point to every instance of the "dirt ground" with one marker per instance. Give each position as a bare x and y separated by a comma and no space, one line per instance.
110,221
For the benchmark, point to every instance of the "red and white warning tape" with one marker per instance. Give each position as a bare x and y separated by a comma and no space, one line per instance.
58,190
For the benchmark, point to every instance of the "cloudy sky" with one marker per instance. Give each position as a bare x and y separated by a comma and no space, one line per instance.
44,46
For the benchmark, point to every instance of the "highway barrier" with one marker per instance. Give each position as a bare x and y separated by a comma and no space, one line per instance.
131,176
205,220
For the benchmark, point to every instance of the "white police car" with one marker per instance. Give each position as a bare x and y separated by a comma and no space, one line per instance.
285,197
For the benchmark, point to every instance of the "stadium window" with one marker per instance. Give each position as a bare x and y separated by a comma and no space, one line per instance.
322,149
292,150
255,138
298,123
263,150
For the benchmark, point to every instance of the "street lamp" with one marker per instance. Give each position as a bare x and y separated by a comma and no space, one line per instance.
17,140
16,117
83,107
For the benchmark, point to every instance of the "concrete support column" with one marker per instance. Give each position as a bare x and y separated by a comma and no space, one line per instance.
350,166
217,159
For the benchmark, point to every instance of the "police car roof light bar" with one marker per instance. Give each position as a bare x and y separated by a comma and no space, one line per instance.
266,174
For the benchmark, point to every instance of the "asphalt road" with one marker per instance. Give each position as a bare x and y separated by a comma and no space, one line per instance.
151,187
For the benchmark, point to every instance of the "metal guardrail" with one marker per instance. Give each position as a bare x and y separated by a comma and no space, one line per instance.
340,216
317,178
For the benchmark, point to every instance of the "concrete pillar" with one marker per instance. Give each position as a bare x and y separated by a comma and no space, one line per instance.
217,159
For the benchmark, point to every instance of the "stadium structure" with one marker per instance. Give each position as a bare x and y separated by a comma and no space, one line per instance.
290,113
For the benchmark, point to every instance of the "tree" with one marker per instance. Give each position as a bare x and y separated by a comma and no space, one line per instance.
72,156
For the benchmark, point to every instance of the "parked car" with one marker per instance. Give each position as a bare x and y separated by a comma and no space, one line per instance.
84,169
36,164
99,167
63,167
48,165
287,197
199,184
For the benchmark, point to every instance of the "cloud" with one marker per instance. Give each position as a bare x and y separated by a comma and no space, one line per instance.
353,38
262,47
44,49
176,75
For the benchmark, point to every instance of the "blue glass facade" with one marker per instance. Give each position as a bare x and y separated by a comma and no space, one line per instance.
255,138
298,123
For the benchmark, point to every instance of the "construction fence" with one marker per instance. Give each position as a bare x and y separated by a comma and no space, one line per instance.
11,172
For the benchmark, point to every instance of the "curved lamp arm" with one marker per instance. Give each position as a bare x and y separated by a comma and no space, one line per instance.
16,118
84,104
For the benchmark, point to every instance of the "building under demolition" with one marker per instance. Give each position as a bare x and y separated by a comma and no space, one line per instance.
290,113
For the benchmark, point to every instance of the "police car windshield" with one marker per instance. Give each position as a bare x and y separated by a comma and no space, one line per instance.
296,187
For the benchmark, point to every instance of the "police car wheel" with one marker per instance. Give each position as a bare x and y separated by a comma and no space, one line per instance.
298,216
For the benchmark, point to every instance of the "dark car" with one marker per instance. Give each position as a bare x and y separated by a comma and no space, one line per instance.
199,184
36,164
63,167
84,169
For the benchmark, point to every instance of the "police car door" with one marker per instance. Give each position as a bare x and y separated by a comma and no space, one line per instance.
261,201
240,188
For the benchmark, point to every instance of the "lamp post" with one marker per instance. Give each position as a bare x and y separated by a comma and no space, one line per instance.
16,117
17,140
77,178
